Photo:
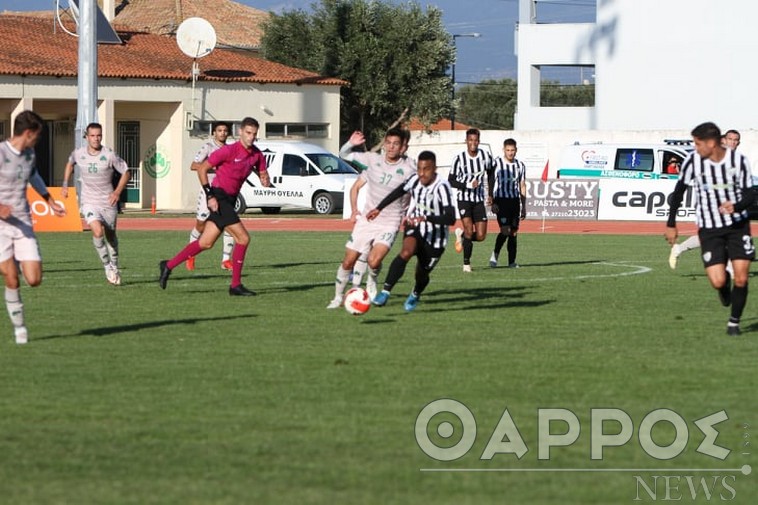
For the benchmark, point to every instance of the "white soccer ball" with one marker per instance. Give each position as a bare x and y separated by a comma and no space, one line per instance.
357,301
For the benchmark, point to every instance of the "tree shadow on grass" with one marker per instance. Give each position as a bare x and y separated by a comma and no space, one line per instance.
104,331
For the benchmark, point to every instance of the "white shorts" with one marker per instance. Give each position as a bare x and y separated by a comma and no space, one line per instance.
18,242
106,215
366,234
202,213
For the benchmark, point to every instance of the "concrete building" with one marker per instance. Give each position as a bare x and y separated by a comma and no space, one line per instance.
151,112
656,65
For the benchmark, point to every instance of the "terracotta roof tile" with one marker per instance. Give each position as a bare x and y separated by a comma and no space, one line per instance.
31,47
236,25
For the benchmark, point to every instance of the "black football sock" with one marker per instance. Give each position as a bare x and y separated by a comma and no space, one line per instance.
512,246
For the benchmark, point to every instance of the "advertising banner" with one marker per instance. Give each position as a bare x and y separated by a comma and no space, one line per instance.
43,218
574,199
641,200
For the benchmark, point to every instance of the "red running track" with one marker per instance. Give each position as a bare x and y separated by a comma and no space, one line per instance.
337,224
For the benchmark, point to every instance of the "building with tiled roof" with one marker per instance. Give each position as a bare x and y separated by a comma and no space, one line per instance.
236,25
147,102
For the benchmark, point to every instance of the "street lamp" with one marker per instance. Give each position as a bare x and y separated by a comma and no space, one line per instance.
473,35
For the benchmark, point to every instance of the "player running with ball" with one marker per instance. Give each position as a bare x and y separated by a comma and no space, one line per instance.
426,227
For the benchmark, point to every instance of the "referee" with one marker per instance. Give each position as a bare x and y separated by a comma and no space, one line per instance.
722,182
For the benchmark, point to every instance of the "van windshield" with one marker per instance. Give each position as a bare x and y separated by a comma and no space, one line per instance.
330,164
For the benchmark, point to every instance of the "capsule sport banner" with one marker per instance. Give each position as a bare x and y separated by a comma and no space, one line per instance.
641,200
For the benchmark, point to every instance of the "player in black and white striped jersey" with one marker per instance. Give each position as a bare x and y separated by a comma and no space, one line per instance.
507,192
731,139
722,182
467,176
426,222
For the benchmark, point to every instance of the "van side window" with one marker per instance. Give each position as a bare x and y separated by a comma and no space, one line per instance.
294,165
639,160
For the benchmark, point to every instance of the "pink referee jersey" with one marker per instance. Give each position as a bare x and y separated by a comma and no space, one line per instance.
233,165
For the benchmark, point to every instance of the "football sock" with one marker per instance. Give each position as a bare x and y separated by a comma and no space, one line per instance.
341,282
228,247
194,235
373,273
422,280
192,249
512,246
112,247
238,260
499,242
359,270
101,249
691,243
739,298
468,248
397,269
15,306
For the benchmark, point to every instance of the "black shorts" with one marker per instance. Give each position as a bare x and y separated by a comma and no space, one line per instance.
508,212
428,257
226,215
717,245
472,210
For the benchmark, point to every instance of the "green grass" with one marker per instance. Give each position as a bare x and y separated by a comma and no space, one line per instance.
134,395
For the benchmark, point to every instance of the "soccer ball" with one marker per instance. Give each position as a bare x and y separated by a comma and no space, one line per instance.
357,301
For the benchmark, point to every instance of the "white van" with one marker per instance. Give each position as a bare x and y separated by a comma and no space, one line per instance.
302,176
631,161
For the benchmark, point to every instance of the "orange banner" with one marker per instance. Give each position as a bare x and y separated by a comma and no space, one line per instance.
43,218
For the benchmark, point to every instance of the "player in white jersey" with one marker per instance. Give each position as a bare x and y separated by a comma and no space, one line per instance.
361,264
18,244
99,199
381,173
220,133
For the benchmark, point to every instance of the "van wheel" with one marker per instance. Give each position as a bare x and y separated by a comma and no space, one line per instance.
271,210
239,205
323,203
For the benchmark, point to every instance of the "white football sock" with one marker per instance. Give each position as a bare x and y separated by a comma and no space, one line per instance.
101,249
15,306
341,282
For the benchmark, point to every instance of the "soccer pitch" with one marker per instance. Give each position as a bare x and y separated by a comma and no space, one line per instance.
134,395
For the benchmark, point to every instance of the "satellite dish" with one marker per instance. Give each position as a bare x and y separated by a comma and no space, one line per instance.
196,37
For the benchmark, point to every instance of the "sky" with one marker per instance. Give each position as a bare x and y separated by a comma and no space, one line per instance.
489,56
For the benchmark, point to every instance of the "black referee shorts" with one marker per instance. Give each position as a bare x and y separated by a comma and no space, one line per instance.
717,245
226,215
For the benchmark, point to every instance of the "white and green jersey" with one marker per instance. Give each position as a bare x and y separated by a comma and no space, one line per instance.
381,177
96,174
16,168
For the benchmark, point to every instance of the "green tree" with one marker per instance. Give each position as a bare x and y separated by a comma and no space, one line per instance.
488,105
555,94
394,57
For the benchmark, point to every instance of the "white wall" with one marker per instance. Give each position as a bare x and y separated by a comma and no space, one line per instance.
677,63
658,65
